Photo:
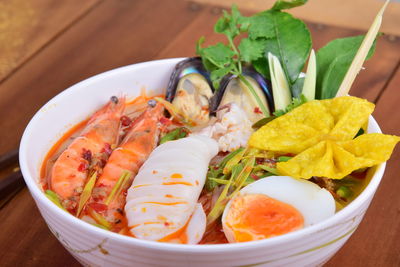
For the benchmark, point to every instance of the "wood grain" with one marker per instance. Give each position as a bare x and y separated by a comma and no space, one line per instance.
356,14
117,33
376,241
28,26
25,238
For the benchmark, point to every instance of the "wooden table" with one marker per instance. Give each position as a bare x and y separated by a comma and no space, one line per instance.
58,43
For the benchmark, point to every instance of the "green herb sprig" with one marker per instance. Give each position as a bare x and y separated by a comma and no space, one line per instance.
269,31
289,40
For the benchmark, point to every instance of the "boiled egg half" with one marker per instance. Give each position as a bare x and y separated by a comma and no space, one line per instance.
274,206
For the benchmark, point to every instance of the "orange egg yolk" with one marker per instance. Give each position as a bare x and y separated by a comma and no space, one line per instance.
256,216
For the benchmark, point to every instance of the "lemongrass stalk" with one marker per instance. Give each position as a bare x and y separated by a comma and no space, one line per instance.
125,176
311,78
219,206
264,109
86,193
280,86
362,53
99,218
54,198
233,161
244,174
174,111
219,181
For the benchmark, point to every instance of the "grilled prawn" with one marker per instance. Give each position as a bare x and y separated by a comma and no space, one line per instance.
87,153
108,197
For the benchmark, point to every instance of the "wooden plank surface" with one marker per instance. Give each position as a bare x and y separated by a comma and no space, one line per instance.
377,241
28,26
342,13
117,33
121,32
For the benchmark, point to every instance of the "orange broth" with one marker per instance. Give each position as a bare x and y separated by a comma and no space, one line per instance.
214,233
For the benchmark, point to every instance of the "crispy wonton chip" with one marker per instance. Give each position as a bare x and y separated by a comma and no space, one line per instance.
338,159
321,133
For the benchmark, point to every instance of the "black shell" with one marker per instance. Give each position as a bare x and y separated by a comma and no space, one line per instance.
264,84
187,66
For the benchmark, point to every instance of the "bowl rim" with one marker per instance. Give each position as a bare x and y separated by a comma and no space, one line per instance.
39,195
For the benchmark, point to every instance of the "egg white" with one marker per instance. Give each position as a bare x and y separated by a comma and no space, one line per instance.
314,203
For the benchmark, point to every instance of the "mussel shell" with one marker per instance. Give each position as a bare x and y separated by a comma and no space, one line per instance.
185,67
265,86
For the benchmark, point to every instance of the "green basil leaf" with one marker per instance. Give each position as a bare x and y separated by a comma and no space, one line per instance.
291,44
261,65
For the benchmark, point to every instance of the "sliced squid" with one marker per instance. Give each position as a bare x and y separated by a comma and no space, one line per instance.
162,201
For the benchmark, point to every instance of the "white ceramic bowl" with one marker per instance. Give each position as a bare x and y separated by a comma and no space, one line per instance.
96,247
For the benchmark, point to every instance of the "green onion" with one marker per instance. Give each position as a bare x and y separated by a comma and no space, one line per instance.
210,184
344,192
119,186
86,193
269,169
54,198
175,134
283,158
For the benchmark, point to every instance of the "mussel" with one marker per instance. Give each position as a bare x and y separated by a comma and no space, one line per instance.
232,89
191,92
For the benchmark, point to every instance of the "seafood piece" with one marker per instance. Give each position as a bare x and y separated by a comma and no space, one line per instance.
86,153
190,90
108,197
162,201
234,90
232,129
